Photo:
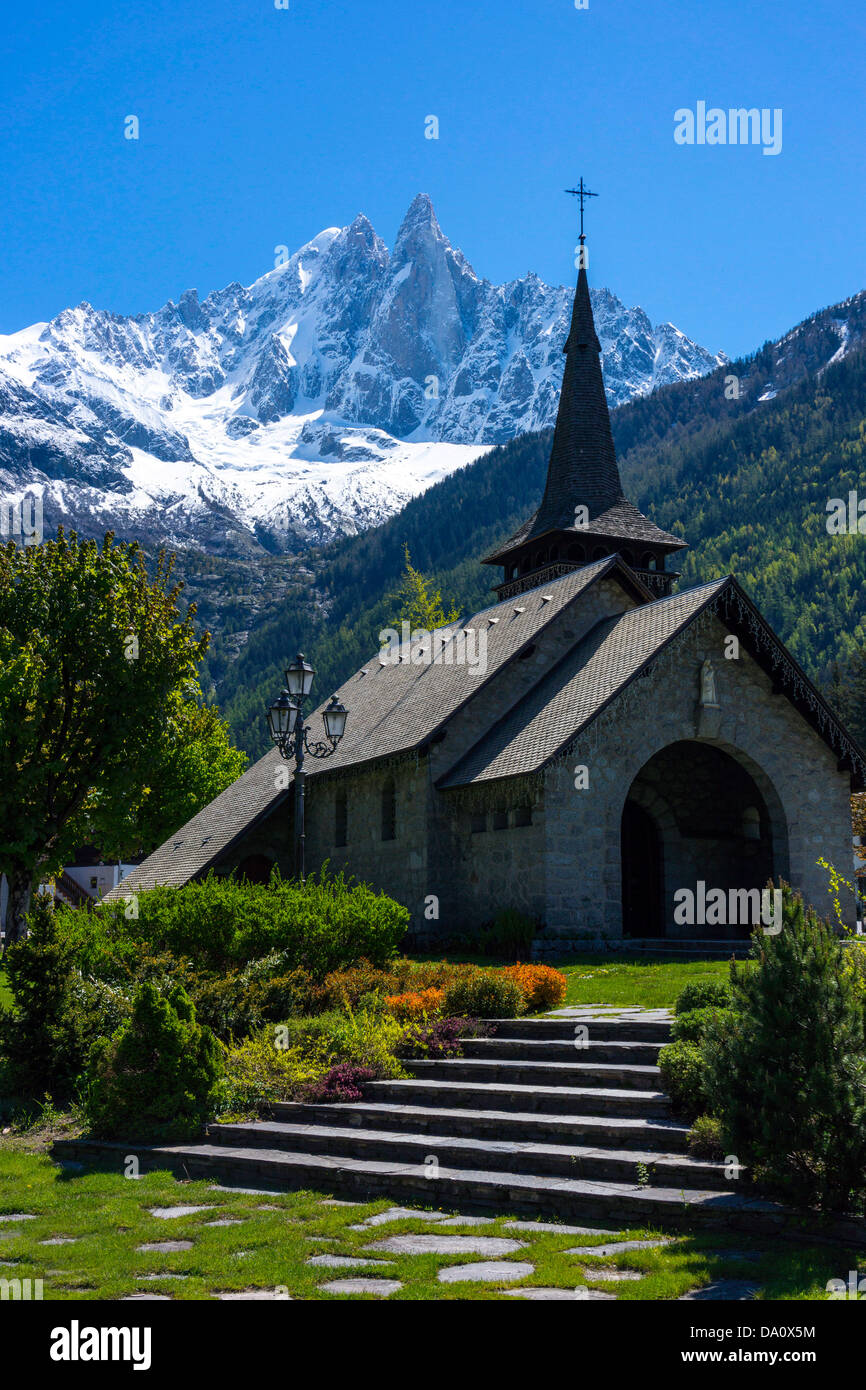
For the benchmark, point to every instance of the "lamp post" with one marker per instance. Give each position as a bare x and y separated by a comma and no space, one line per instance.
291,735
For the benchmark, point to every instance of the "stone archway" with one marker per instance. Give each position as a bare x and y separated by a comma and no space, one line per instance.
698,813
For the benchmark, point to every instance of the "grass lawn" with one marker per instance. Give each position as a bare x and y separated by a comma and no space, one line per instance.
105,1218
609,979
5,992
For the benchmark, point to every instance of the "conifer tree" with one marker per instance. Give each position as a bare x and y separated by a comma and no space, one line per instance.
786,1068
421,606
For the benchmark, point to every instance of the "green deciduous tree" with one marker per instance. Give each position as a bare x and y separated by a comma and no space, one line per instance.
98,701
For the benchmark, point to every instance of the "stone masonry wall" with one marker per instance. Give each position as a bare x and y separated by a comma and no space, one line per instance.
806,796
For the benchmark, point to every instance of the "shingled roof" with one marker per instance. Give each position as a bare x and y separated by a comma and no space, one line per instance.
583,470
394,708
617,650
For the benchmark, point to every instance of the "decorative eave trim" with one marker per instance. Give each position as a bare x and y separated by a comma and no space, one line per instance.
734,605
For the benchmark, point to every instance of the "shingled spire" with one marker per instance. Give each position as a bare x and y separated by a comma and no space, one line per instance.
584,514
583,469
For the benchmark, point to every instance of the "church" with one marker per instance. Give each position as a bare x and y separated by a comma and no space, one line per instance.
623,749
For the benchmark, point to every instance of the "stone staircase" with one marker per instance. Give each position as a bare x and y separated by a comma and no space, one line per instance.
526,1121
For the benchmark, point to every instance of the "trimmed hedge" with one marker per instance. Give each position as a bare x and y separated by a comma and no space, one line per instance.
220,924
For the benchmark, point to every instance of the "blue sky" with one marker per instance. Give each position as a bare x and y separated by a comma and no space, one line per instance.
259,127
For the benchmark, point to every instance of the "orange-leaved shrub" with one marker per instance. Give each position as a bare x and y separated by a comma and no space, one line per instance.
542,986
415,1004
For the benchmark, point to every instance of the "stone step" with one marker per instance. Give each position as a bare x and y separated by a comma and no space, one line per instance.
580,1048
450,1151
600,1029
533,1194
497,1095
584,1074
614,1131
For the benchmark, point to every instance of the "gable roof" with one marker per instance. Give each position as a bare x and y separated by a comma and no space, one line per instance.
394,708
607,660
577,689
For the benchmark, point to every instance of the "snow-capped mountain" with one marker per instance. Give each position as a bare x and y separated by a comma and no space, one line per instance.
313,403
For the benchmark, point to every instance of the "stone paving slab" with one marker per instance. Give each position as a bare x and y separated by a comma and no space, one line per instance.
146,1298
169,1213
226,1221
341,1261
146,1278
382,1218
382,1287
617,1247
18,1216
549,1295
160,1247
550,1228
612,1276
485,1271
733,1290
447,1245
60,1240
247,1191
255,1295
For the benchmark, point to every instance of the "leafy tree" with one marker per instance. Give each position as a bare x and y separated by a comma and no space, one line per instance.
786,1067
190,766
34,1037
98,700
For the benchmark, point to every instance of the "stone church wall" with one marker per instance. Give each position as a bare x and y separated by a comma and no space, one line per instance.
795,771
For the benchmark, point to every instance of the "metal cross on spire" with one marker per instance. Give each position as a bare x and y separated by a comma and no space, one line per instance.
581,192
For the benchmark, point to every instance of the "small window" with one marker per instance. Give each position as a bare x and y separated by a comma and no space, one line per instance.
500,820
478,823
341,819
389,810
523,815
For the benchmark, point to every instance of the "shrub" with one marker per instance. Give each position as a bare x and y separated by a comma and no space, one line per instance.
346,987
227,1004
703,994
343,1082
682,1067
693,1026
415,1004
511,933
157,1077
259,1073
542,986
442,1038
320,925
282,1062
481,993
786,1070
46,1036
293,995
705,1137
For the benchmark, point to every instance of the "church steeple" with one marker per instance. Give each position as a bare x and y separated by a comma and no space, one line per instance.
583,469
584,514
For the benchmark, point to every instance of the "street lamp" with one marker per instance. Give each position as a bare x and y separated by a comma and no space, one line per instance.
291,736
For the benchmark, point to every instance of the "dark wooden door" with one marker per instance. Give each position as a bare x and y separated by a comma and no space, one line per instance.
642,913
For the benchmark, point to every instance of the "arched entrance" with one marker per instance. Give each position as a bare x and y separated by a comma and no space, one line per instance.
698,820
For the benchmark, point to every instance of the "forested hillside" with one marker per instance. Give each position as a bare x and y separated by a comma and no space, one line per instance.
745,479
